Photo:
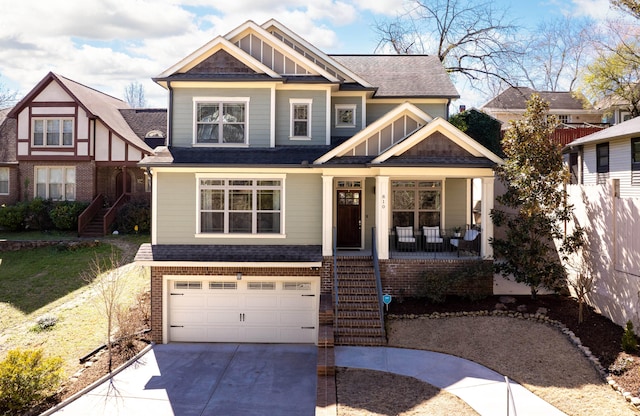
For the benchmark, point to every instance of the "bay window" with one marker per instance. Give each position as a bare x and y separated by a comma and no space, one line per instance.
247,206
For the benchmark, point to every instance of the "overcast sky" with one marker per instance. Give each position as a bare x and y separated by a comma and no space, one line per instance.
107,44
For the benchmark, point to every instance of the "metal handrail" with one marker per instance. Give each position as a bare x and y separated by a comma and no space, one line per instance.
376,271
335,279
510,394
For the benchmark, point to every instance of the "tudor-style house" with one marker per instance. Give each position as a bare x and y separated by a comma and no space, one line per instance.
290,175
67,141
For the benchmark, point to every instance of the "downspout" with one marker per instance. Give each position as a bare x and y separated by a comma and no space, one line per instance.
170,115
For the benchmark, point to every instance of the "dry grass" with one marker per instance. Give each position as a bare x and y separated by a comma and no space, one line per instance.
533,354
392,394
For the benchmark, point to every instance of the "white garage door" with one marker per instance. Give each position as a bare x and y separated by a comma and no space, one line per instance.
265,310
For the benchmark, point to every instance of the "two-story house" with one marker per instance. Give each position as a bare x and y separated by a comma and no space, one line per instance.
290,174
67,141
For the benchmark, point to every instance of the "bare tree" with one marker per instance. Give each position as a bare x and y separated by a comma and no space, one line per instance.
134,95
469,37
108,278
554,53
7,96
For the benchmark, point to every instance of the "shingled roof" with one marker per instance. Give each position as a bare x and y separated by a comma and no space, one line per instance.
402,75
515,98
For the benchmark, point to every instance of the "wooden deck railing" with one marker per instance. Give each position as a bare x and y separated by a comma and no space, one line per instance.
87,215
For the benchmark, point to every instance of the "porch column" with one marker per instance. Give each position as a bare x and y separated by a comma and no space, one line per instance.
327,215
488,198
382,216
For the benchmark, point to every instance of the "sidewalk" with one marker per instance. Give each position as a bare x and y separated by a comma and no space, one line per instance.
481,388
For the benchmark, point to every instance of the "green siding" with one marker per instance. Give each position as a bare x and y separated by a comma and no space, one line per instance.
259,113
346,131
318,117
375,111
177,201
456,203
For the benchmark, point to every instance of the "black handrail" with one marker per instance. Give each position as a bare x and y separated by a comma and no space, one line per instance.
376,271
335,279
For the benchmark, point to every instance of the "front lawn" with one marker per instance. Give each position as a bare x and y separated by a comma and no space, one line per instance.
49,281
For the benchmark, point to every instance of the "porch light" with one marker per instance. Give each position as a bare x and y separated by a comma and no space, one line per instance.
239,276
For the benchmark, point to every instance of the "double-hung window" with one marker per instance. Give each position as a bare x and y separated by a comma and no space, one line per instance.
635,161
602,162
246,206
221,120
52,132
56,183
4,181
300,118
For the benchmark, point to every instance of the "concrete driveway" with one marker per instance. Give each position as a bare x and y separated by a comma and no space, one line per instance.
209,379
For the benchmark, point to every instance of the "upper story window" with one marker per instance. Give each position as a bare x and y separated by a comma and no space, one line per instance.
635,161
564,118
221,120
345,115
244,206
52,132
300,118
57,183
4,181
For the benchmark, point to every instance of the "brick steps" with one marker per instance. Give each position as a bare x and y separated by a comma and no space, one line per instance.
358,320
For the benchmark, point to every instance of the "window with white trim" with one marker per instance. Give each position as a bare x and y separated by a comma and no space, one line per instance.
4,181
345,115
221,120
248,206
51,132
300,118
416,203
56,183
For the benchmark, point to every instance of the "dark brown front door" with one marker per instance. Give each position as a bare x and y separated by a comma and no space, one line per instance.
348,221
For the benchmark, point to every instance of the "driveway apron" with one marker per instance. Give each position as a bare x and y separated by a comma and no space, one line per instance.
209,379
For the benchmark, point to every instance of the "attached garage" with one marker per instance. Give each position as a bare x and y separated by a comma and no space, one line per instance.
242,309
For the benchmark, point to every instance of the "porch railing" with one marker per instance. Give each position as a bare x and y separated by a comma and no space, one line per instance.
110,216
435,242
87,215
376,271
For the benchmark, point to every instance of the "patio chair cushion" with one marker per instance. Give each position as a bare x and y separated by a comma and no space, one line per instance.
405,235
432,234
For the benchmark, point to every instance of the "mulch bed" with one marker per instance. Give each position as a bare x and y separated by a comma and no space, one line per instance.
602,336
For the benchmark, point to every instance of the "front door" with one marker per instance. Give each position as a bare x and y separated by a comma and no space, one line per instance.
349,221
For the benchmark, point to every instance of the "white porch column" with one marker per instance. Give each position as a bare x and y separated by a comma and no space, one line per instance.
488,198
327,215
382,216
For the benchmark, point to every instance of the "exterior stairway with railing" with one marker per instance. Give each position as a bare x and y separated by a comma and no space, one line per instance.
358,319
95,228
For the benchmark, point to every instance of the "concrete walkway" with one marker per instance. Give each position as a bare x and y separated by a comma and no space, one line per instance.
481,388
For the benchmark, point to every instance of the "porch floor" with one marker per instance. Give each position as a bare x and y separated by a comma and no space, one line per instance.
411,254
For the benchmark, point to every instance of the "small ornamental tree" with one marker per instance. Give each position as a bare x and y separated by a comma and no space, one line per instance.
533,208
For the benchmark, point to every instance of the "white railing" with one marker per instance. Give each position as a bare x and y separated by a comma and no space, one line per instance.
510,403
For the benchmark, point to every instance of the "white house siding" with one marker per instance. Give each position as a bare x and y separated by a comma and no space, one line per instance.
346,131
318,116
176,211
619,166
53,92
612,226
259,112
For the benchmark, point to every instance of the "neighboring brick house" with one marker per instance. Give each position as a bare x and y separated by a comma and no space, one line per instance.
67,141
279,160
